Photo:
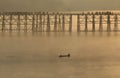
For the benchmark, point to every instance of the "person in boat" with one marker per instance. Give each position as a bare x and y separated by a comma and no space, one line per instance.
68,55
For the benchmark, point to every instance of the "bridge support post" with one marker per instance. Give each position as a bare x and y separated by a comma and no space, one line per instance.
33,22
70,23
25,25
93,23
100,23
86,27
44,22
55,23
59,23
40,22
108,23
116,22
78,23
48,22
37,22
10,27
3,23
18,23
63,23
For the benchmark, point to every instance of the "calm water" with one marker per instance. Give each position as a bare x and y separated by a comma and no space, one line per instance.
35,55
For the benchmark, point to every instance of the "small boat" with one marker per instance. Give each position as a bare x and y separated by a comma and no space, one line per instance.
68,55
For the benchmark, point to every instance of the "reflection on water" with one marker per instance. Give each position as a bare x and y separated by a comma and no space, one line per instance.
35,55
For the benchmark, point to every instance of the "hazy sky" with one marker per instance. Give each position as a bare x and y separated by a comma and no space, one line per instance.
58,5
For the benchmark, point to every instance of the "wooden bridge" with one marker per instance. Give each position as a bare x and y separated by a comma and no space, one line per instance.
60,21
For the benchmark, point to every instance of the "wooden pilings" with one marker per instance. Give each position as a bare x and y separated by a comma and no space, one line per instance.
108,23
33,22
55,23
116,22
78,23
40,23
103,21
48,23
3,23
59,22
18,23
100,23
63,22
10,27
25,26
70,23
93,22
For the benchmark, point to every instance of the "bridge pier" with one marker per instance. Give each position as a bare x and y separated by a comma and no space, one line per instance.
18,23
100,23
63,22
70,23
36,28
48,23
78,23
116,23
10,27
3,23
86,23
55,23
25,24
33,23
108,23
93,23
40,22
59,23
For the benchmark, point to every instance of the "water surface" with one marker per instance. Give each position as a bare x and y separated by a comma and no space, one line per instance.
35,55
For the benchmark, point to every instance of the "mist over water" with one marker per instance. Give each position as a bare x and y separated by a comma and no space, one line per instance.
58,5
35,55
